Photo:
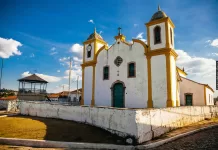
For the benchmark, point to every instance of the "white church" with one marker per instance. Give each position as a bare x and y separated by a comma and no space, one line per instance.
139,75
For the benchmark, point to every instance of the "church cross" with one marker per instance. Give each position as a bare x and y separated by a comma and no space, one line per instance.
119,31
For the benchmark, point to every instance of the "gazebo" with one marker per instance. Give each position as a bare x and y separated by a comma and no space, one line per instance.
32,88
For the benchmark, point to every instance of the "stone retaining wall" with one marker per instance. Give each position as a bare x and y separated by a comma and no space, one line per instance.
139,124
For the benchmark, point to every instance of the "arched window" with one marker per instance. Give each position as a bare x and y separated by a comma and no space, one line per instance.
106,73
131,70
171,36
89,50
157,35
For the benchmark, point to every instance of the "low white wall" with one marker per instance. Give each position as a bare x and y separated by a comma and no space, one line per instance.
3,104
140,124
9,105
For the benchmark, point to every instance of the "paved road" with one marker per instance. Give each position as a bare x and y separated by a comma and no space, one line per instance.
205,140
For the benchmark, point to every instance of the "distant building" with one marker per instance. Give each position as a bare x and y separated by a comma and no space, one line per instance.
53,97
193,93
76,95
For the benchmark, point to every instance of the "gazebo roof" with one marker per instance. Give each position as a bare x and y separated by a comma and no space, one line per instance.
33,79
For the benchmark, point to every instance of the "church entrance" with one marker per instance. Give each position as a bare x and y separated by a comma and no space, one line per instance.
118,95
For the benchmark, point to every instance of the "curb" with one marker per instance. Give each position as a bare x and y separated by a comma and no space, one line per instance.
77,145
161,142
59,144
9,115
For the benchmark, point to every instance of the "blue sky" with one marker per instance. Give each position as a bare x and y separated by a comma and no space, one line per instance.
51,31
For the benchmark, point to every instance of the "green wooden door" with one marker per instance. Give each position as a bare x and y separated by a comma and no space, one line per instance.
118,95
188,99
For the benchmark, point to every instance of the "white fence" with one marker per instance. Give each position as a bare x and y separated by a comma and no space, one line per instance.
139,124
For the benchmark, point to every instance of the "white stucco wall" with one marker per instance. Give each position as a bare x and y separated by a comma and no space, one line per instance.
99,45
88,73
163,36
136,88
92,52
8,105
188,86
159,81
142,124
174,79
4,104
209,96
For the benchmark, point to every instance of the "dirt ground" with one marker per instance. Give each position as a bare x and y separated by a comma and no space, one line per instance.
27,127
7,147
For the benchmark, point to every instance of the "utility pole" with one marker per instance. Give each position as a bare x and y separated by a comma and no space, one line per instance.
1,75
70,75
77,88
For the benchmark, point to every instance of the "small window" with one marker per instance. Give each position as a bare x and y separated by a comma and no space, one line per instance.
171,36
157,35
106,73
131,70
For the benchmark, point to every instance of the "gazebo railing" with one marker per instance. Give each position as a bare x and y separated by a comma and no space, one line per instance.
29,90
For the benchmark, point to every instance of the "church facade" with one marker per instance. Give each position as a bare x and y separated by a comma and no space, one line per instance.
133,75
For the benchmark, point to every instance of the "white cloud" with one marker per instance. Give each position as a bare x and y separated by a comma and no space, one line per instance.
9,47
58,88
53,53
75,72
91,21
140,37
213,43
77,48
43,76
208,41
100,32
215,54
32,55
199,69
135,25
64,61
76,59
58,71
53,48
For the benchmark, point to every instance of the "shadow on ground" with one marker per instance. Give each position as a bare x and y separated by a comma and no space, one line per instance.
56,130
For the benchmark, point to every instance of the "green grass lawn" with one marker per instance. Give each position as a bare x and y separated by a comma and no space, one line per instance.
27,127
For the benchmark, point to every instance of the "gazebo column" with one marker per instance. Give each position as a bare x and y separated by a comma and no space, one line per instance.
40,88
19,87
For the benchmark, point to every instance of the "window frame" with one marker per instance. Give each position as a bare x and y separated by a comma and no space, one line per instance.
155,42
128,64
171,36
108,72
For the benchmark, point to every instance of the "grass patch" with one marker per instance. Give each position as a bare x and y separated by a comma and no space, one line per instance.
27,127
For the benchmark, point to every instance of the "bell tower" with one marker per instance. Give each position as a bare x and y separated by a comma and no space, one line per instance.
90,48
161,57
160,31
